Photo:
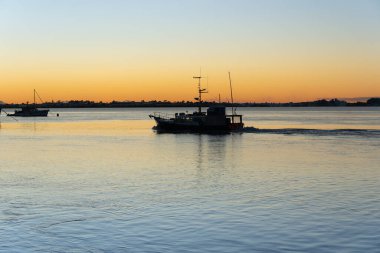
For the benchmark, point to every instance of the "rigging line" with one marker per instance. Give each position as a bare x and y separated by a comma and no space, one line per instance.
39,96
8,114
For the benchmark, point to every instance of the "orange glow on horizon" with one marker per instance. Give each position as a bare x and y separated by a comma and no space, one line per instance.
257,86
270,78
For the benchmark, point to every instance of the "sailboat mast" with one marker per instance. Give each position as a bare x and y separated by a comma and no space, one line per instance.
34,96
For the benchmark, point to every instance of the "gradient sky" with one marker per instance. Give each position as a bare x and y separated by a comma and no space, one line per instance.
108,50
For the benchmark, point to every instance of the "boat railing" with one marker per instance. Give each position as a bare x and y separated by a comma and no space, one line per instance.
235,118
163,115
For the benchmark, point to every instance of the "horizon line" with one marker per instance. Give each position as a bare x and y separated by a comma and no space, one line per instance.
347,100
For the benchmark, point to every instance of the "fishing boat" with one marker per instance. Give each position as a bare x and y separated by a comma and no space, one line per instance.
31,110
215,119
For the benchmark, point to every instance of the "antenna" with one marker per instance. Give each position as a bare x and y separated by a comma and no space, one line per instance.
207,84
200,91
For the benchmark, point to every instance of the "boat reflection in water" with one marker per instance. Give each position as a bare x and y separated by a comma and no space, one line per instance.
214,120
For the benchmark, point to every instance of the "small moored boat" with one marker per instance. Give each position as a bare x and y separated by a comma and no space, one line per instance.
30,110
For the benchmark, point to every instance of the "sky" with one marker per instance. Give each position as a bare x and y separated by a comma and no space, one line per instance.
276,50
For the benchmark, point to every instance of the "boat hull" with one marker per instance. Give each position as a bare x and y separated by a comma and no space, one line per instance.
169,125
34,113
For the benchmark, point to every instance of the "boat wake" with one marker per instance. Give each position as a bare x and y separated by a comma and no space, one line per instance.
319,132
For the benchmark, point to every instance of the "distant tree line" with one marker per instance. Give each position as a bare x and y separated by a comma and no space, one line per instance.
165,103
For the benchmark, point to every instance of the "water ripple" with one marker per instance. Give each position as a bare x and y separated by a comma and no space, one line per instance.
319,132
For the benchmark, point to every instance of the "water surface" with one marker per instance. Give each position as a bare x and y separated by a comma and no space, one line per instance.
101,180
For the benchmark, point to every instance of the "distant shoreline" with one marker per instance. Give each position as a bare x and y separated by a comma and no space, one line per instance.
152,104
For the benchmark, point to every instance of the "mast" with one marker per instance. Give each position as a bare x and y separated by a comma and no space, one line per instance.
200,91
34,97
232,98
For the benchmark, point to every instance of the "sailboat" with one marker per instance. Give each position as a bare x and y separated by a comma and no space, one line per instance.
30,110
215,119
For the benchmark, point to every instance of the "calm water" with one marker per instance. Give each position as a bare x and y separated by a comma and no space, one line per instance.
101,180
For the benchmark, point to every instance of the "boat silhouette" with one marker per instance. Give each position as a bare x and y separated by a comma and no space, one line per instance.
30,110
215,119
